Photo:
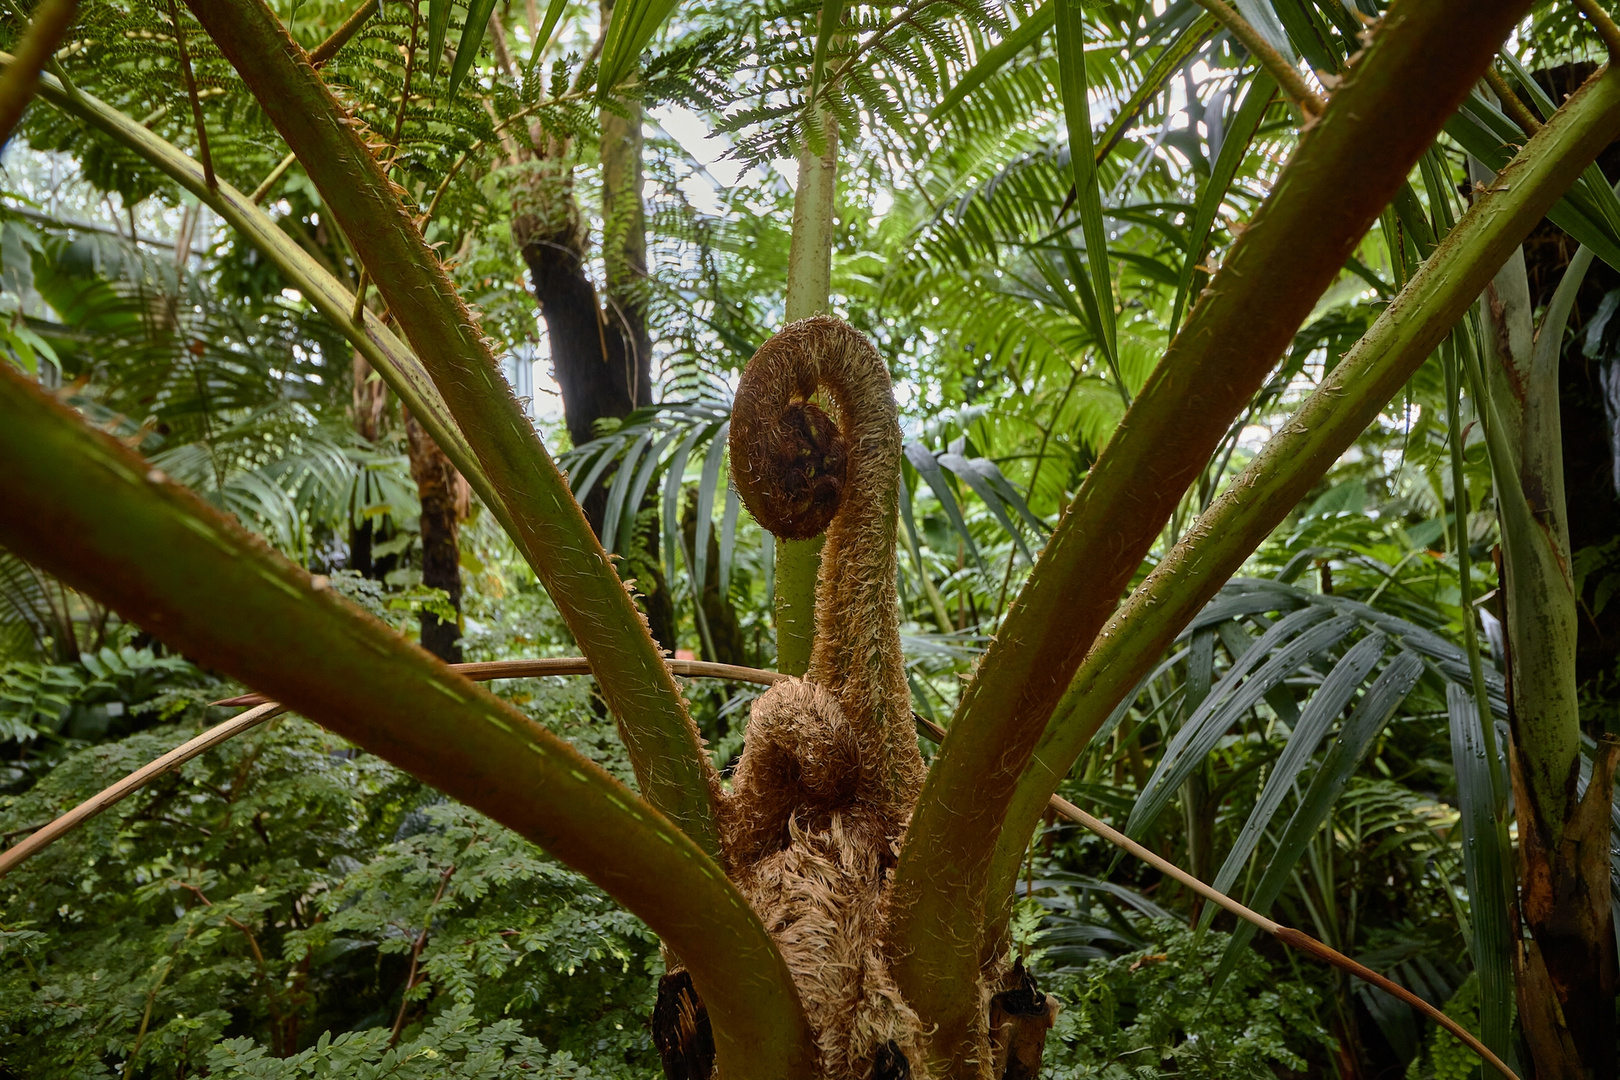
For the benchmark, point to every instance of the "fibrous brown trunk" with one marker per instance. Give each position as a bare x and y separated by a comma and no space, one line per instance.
595,359
444,496
624,241
596,368
681,1030
1020,1017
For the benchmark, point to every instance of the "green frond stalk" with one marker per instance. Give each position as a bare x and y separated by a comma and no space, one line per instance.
809,289
547,523
1523,434
1327,424
1564,895
1348,166
1276,65
94,513
323,53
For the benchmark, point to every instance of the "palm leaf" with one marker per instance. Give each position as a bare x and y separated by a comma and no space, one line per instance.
634,23
1098,294
1318,715
472,34
438,26
1377,705
1485,867
1277,655
1214,193
923,460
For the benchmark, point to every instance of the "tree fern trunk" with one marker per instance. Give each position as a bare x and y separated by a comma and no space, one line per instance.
602,360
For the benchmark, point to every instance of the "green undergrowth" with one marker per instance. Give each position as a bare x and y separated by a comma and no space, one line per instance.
282,905
1151,1013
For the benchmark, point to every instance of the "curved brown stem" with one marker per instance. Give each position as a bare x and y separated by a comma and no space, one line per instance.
800,471
1307,944
1295,939
264,709
327,49
830,766
1604,24
416,949
1275,64
571,665
47,835
1512,104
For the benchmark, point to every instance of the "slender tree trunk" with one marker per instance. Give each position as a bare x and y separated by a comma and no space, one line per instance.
624,240
445,498
809,292
624,255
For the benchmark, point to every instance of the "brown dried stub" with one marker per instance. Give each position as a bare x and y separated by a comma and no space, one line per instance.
795,460
681,1030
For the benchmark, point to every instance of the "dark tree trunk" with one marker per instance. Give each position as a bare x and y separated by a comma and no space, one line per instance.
602,359
444,498
599,376
624,241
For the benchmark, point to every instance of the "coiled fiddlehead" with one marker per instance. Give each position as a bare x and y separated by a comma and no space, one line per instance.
830,767
799,471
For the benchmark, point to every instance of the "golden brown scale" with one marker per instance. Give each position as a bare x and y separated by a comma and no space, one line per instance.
830,767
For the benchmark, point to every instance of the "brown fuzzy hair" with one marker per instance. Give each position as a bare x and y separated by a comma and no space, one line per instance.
794,463
830,767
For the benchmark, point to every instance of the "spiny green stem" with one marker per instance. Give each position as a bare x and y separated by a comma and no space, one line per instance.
391,358
51,21
809,290
1348,166
1328,423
